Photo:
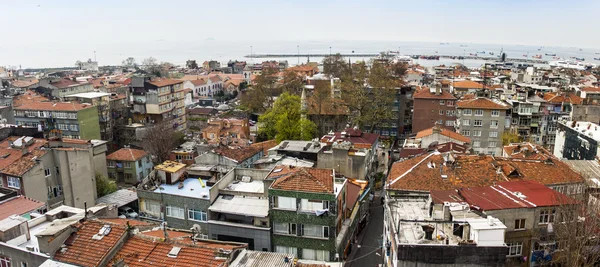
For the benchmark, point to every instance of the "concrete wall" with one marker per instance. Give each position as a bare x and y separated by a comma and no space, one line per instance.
18,255
426,113
178,201
353,166
413,255
89,123
485,129
78,177
261,237
35,183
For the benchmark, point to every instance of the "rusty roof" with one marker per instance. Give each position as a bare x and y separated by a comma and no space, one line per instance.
28,97
238,154
82,250
445,132
17,206
127,154
482,103
302,179
467,84
428,172
53,106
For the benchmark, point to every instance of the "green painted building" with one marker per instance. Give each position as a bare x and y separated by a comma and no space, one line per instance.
66,119
129,165
307,212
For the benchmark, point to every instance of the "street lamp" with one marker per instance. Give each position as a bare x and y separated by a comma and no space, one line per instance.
330,51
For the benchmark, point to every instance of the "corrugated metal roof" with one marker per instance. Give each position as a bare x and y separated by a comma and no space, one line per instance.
248,206
251,258
121,197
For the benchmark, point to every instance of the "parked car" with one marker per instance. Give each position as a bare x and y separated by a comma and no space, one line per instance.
127,212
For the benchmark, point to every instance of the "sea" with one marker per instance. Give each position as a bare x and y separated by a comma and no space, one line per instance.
177,52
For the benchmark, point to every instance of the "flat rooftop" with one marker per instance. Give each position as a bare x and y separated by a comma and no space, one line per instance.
191,188
255,186
240,205
89,95
586,128
170,166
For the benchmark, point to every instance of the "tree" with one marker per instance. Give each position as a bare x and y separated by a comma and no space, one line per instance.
335,66
78,64
285,121
104,186
191,64
292,83
129,63
510,137
260,96
151,66
159,140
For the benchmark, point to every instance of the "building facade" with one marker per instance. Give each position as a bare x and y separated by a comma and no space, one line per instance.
66,119
158,101
483,120
433,106
129,165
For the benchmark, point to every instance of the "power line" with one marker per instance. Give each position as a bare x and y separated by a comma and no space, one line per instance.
368,254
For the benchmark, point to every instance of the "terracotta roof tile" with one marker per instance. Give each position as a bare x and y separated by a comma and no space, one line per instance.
140,252
238,154
65,83
562,97
12,160
467,84
28,97
51,106
88,252
24,83
121,221
424,93
265,145
164,82
444,132
526,151
591,89
482,103
198,82
358,138
127,154
18,206
423,173
302,179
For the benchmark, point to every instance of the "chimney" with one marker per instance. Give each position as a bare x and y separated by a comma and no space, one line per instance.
24,150
438,89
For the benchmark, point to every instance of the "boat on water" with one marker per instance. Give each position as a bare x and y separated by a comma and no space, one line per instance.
525,55
580,59
550,54
578,65
597,58
491,53
537,56
471,54
482,52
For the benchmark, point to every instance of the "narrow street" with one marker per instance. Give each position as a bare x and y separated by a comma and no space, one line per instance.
367,252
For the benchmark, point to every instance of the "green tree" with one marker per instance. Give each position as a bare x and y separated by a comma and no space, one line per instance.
104,186
510,137
285,121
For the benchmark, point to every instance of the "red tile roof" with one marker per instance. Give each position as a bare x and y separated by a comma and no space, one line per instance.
164,82
423,173
140,252
482,103
357,137
24,83
28,97
302,179
444,132
513,195
591,89
526,151
238,154
562,97
51,106
215,78
12,160
198,82
65,83
18,206
127,154
88,252
467,84
265,145
424,93
124,222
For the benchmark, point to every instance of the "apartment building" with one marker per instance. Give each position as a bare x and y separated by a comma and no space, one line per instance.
66,119
103,103
60,88
129,165
157,101
483,120
433,106
307,212
577,140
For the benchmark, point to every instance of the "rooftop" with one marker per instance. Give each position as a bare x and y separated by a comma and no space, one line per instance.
17,206
192,187
526,151
12,159
127,154
303,179
251,258
300,146
563,97
170,166
255,186
425,93
482,103
354,136
120,197
444,132
240,205
90,95
434,171
54,106
467,84
589,129
164,82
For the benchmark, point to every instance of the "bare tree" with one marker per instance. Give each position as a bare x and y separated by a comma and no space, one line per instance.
78,64
159,140
129,63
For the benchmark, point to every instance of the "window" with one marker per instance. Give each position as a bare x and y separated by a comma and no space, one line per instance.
495,113
450,103
476,133
520,224
128,176
466,132
449,123
286,250
449,112
139,163
441,112
515,249
442,102
14,182
494,124
492,144
47,172
175,212
111,164
546,216
312,205
477,123
288,203
467,112
152,207
285,228
466,122
476,143
4,261
197,215
127,164
479,112
493,134
317,231
440,122
312,254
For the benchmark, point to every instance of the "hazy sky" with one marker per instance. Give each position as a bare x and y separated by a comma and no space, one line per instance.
42,33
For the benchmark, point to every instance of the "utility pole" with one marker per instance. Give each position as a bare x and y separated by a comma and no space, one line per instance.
298,46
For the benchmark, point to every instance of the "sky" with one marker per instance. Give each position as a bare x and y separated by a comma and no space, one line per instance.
51,32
